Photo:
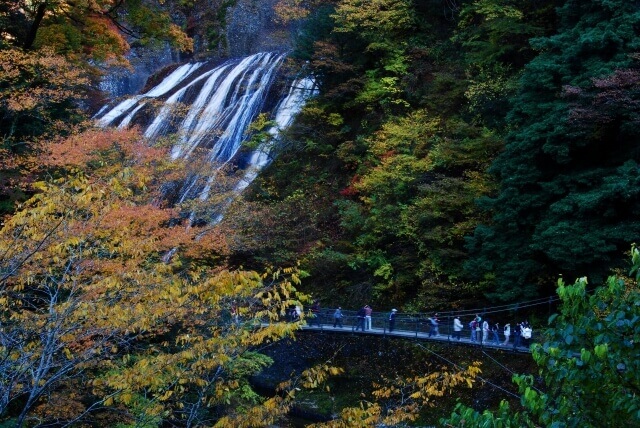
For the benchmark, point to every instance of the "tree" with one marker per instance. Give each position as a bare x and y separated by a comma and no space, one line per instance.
588,362
144,320
566,192
96,28
401,400
494,37
416,194
40,94
48,55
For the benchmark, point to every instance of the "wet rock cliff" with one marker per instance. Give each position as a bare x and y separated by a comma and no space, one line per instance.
249,26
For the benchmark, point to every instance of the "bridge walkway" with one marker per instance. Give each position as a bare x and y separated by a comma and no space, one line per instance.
465,339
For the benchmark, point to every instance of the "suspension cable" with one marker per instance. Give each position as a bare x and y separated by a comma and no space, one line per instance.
506,368
460,368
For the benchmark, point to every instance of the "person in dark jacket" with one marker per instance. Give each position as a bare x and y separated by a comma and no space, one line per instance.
362,312
517,335
494,331
392,319
315,313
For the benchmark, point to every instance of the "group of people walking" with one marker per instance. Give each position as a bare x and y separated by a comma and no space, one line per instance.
481,330
363,318
484,331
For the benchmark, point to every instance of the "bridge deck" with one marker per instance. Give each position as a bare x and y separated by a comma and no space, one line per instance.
416,335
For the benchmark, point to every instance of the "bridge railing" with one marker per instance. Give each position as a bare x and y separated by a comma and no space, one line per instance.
412,324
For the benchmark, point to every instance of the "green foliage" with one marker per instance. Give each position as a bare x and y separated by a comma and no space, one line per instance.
382,85
495,32
567,191
504,417
495,36
588,362
592,349
417,194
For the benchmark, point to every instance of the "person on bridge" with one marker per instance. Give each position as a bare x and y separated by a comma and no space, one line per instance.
315,313
457,328
360,318
475,328
392,319
367,317
434,325
507,333
293,314
527,332
337,317
494,331
485,331
517,335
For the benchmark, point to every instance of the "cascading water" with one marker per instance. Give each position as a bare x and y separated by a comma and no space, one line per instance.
219,104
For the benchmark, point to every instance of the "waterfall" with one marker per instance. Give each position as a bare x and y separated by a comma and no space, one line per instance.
209,108
286,111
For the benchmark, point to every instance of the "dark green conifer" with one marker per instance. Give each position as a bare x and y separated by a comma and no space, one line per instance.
570,183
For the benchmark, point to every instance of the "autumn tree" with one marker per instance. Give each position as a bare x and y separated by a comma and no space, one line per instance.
143,319
416,204
49,50
40,94
400,400
96,28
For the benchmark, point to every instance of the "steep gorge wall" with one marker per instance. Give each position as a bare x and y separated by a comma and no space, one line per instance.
250,28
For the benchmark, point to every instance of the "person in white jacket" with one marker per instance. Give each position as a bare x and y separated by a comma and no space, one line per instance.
485,331
507,333
457,328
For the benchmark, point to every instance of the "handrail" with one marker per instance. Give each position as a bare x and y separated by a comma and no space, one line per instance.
415,325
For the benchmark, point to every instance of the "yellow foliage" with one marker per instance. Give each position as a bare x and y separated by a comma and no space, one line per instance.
92,252
403,398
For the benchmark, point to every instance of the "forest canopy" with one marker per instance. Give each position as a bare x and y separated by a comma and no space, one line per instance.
459,153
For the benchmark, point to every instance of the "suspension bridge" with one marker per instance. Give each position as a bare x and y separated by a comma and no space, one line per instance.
417,326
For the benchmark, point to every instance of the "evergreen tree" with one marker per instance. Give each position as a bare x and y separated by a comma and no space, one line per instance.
569,184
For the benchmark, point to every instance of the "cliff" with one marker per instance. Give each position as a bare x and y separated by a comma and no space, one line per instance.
249,27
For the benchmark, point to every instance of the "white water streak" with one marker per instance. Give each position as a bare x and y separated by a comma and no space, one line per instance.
301,90
127,120
168,83
244,107
229,99
172,80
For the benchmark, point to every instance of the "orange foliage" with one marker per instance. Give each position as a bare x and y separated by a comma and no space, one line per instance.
80,148
109,274
37,80
107,43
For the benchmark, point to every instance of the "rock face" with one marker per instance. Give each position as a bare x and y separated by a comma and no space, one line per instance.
118,82
251,28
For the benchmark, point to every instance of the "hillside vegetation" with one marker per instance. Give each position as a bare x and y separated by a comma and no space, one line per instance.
459,150
459,153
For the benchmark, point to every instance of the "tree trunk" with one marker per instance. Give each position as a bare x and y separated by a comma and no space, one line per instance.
37,20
